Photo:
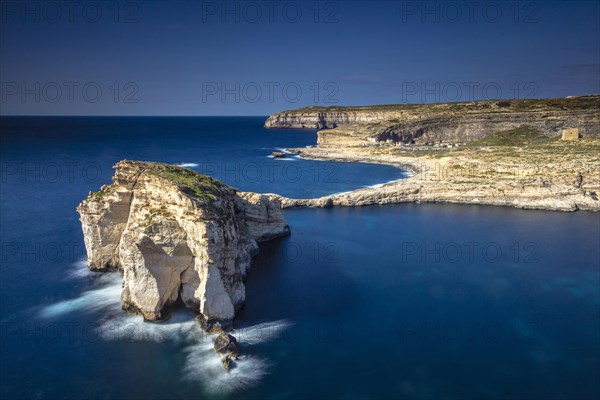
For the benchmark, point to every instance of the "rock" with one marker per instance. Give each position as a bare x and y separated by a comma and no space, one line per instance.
212,326
227,361
278,154
327,202
226,344
178,237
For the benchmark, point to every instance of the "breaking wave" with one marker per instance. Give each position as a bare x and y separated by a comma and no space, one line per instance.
201,364
188,165
79,270
293,158
108,295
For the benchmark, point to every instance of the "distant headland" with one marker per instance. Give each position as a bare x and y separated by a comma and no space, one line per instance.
534,154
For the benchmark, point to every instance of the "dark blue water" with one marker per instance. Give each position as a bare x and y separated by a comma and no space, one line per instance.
406,301
236,151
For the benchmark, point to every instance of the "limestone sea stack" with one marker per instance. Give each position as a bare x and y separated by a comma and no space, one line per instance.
177,236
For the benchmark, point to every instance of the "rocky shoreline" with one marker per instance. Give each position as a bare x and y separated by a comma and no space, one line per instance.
513,158
184,239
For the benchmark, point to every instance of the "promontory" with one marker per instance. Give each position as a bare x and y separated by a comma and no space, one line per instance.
533,153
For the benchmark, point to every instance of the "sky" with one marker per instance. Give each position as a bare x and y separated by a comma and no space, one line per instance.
259,57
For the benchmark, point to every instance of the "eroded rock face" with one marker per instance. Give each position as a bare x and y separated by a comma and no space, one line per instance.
438,144
316,119
448,122
177,236
471,127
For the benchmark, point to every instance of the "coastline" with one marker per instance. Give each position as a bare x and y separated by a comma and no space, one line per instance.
425,185
540,173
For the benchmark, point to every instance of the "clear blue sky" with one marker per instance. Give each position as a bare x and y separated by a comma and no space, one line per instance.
251,58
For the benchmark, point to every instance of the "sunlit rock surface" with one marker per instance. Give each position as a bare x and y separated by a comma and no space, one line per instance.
177,236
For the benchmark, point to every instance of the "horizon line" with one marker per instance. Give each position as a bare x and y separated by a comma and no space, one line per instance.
126,116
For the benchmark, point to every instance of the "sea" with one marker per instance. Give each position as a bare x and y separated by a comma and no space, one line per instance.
407,301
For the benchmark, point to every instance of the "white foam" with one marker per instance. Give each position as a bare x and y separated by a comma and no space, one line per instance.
188,165
378,185
261,333
202,364
312,158
294,157
282,158
120,326
79,270
108,295
375,186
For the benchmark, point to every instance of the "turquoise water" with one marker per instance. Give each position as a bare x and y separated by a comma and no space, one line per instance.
402,301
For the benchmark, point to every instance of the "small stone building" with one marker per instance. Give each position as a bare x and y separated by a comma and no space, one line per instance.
570,134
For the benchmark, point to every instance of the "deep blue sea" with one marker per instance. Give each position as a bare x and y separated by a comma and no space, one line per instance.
410,301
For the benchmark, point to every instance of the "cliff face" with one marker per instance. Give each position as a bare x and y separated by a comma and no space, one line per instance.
450,122
541,173
177,236
471,127
506,153
326,119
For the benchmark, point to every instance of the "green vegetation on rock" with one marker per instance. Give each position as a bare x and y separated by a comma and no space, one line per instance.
156,212
202,189
193,184
520,136
569,103
97,195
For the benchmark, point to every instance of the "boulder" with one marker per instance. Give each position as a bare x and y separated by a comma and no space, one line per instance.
226,344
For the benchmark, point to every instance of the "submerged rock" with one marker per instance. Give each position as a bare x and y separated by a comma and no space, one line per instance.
177,236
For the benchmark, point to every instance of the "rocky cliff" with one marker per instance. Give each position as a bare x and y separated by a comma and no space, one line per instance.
319,118
542,173
448,122
507,153
476,126
177,236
